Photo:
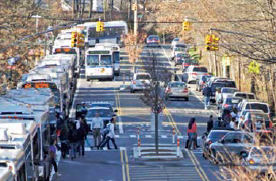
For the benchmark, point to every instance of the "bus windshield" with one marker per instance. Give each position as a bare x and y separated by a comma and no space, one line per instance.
105,59
92,60
116,56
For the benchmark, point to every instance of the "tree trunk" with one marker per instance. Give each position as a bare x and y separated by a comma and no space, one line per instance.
90,8
83,8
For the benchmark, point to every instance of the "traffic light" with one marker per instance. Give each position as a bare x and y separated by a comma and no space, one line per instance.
208,42
100,26
215,41
80,40
186,26
74,37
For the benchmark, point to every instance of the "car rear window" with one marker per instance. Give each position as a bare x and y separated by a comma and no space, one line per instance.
200,69
229,90
233,100
249,96
258,106
180,46
176,39
228,83
216,86
142,76
256,116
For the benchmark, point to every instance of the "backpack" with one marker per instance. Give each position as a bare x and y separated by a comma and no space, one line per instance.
106,130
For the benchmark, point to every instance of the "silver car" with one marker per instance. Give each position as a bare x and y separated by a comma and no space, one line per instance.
140,81
260,159
232,144
178,90
193,73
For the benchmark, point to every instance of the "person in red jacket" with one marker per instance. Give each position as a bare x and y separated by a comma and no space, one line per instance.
192,133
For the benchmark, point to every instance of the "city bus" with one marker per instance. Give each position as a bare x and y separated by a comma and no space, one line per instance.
99,63
115,55
114,32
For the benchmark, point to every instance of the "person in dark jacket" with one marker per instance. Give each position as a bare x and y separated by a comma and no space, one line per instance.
82,136
207,93
210,124
64,133
73,139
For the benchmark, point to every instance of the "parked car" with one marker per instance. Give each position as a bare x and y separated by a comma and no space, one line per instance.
259,121
241,116
140,81
255,104
201,81
260,160
212,137
153,40
230,103
193,73
245,95
223,93
215,86
178,90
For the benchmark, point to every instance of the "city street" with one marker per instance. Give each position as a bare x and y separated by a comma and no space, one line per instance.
119,165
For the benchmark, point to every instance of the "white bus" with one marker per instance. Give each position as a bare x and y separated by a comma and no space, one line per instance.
98,63
114,32
115,55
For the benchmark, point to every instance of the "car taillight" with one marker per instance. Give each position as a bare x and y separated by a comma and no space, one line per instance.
186,64
133,82
206,74
251,161
168,90
193,73
226,105
186,90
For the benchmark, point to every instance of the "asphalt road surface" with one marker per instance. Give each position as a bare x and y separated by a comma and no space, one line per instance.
119,165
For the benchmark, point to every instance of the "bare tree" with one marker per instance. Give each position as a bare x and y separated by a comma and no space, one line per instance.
154,94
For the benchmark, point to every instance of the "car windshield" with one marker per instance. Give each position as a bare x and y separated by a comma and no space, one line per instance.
106,60
258,106
217,135
268,152
102,112
177,85
231,91
200,69
233,100
102,105
92,60
143,76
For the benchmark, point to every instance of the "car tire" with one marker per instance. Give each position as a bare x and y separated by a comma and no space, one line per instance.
87,79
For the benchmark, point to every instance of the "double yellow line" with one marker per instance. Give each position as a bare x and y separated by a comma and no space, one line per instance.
125,166
198,167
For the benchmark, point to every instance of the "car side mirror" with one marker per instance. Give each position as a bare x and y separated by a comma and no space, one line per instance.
115,110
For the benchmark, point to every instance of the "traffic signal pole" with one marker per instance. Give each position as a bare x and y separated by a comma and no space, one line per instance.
136,18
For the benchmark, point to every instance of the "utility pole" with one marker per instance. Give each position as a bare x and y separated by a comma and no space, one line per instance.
136,18
36,22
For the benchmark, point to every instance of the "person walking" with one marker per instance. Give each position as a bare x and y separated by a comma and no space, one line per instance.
210,124
82,136
73,139
64,139
96,127
207,94
110,135
217,123
192,132
53,155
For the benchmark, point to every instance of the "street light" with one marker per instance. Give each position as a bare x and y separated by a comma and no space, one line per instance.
36,23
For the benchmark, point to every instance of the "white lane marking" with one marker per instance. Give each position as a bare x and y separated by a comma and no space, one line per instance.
120,124
164,136
117,136
132,136
148,136
122,148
